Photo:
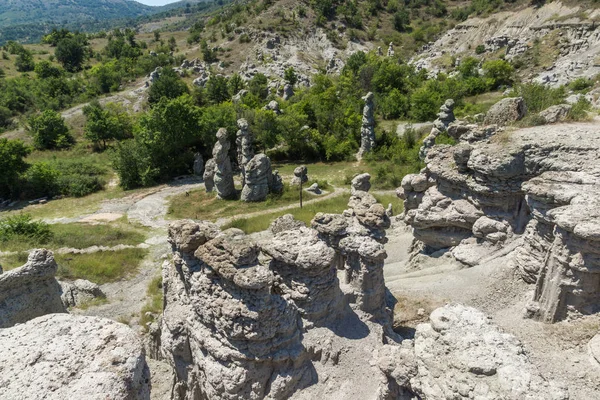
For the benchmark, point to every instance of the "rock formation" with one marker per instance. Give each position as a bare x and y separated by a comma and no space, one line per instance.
391,52
79,292
554,114
198,164
288,91
506,111
300,175
459,354
30,291
533,189
245,152
61,356
209,175
444,118
358,237
367,131
276,183
258,180
361,182
223,176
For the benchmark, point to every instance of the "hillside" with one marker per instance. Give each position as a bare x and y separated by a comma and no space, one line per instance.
28,20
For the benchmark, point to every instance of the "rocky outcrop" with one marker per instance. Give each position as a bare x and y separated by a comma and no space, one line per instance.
259,179
30,291
243,319
62,356
367,131
198,164
361,183
459,354
79,292
532,190
245,152
358,236
444,118
554,114
209,175
506,111
223,176
288,91
300,176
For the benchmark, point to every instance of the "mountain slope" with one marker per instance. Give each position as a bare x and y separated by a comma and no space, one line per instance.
28,20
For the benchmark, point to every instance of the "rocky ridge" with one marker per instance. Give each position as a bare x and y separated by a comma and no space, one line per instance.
532,190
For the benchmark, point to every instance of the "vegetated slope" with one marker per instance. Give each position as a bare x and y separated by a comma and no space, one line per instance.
28,19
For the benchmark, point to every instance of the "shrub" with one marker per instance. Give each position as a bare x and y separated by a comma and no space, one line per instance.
106,123
50,131
539,97
580,110
480,49
580,84
23,225
168,85
12,164
41,179
499,72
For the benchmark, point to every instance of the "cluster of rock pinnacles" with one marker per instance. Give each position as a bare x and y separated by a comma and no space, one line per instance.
258,178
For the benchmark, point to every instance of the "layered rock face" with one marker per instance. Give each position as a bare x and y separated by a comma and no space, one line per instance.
236,310
536,186
61,356
30,291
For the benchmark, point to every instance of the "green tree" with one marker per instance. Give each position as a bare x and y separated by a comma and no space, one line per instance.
24,61
12,164
236,83
106,123
49,131
44,69
217,89
499,72
468,67
290,76
401,20
258,86
71,53
168,85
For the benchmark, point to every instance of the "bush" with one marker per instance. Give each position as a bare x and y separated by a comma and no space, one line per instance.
49,131
168,85
499,72
12,164
480,49
579,111
71,53
580,84
24,226
41,179
106,123
539,97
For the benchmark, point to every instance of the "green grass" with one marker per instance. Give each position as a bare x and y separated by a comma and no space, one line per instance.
79,236
206,206
154,304
334,173
334,205
386,199
102,267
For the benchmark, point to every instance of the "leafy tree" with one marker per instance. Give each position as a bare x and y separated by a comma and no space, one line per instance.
56,36
468,67
156,36
208,55
258,86
45,69
106,123
236,83
49,131
12,164
290,76
356,61
168,85
499,72
395,105
106,77
401,20
71,53
217,89
24,61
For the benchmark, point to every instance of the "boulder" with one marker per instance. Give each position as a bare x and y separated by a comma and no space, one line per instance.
361,182
300,175
30,291
506,111
554,114
285,223
314,188
209,175
62,356
79,292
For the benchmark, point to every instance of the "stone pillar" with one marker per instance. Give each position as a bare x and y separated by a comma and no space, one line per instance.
223,172
367,131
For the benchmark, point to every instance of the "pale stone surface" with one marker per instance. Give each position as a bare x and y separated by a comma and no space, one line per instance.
300,175
361,182
245,152
554,114
223,176
367,131
461,355
64,357
209,175
30,291
259,179
506,111
79,292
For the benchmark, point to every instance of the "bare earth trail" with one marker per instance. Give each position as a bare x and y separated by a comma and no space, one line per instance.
558,350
